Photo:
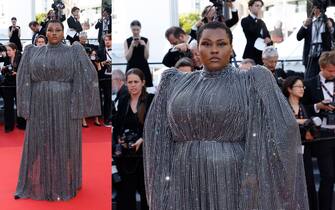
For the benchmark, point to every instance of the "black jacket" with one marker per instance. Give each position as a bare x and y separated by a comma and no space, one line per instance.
99,26
313,94
306,34
123,108
252,29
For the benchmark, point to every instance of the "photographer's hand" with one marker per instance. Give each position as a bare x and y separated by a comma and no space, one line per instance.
324,106
137,144
307,22
183,47
301,121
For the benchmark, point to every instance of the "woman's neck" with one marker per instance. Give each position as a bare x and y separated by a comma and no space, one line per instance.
293,100
135,96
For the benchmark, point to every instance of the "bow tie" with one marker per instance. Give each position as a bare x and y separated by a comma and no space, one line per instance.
329,80
109,49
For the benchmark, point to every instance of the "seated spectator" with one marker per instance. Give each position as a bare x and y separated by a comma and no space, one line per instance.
270,59
246,64
185,65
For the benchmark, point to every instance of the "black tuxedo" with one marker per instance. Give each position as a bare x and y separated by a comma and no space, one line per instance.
74,24
311,65
105,87
323,150
252,30
99,26
36,34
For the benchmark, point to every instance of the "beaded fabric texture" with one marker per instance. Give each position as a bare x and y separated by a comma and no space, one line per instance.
223,140
57,86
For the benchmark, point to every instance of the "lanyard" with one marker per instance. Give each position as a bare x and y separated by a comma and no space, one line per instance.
327,91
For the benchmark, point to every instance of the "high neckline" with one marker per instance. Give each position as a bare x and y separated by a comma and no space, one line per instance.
214,74
54,45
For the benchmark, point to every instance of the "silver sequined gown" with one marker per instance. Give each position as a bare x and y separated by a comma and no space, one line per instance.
222,141
57,86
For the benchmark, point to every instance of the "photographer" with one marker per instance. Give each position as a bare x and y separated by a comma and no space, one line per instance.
104,25
127,148
105,86
54,14
181,43
74,25
209,14
317,32
9,88
293,89
136,51
14,34
319,101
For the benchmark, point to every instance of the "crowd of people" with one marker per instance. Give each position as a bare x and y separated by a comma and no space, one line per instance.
219,136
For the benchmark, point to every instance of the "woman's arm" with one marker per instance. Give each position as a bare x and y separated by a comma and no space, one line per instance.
146,50
128,52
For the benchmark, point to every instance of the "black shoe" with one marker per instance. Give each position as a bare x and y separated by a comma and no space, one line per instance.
9,130
16,197
84,126
108,124
97,124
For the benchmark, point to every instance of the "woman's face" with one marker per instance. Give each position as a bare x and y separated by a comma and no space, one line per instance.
10,52
215,49
297,89
40,42
135,30
55,33
134,84
13,22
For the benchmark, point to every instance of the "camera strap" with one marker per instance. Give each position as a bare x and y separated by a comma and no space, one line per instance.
327,91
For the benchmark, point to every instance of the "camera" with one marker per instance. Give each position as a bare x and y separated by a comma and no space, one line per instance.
218,4
321,4
136,39
57,5
7,70
129,137
313,125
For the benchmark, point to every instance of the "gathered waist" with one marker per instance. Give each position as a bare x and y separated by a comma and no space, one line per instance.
217,140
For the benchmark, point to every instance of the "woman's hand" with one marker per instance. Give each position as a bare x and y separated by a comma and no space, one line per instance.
301,121
309,136
137,144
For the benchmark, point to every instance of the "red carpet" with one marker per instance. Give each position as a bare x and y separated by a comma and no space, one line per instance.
96,190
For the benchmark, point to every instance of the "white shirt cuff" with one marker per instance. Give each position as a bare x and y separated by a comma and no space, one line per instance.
316,109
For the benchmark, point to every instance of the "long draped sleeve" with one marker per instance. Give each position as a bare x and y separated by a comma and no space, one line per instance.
158,143
273,174
23,87
85,100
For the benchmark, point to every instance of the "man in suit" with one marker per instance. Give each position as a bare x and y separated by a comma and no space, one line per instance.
254,28
105,86
104,25
74,25
319,94
181,43
316,32
37,30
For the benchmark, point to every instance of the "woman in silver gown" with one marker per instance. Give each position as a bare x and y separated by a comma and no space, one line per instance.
222,139
57,86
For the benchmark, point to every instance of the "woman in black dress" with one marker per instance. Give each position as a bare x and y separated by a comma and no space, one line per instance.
127,146
14,34
137,52
293,89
